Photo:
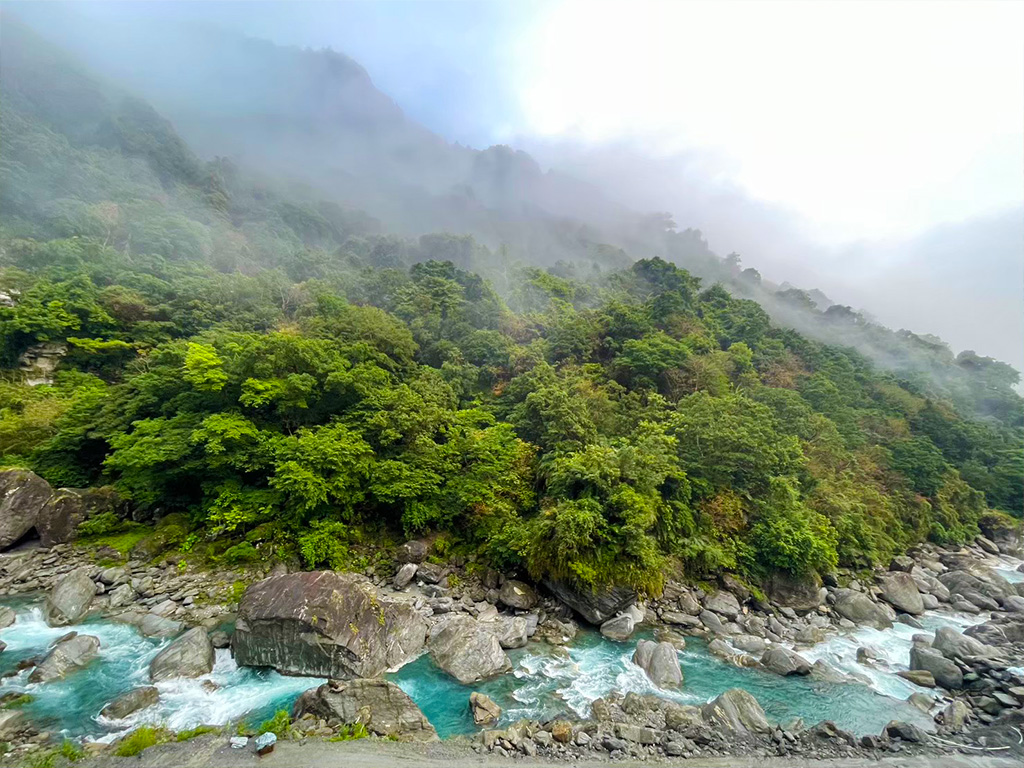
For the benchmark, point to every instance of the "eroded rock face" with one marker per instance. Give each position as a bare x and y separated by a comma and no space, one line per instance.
467,650
661,663
594,606
861,609
325,624
191,655
736,711
380,705
900,590
69,601
22,495
65,657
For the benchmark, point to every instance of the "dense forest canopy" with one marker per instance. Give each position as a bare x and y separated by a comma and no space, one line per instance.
283,371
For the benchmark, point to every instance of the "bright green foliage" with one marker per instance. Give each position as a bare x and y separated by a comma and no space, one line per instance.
143,737
278,724
266,369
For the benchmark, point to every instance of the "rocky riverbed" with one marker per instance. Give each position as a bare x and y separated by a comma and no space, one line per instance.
923,657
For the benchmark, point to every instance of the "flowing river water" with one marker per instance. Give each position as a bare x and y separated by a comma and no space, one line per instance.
546,681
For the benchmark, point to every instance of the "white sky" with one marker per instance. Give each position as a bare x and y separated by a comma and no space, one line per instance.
868,119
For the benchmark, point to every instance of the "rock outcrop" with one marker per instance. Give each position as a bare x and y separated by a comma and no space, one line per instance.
190,655
596,606
66,656
466,649
325,624
22,495
384,708
945,672
70,599
661,663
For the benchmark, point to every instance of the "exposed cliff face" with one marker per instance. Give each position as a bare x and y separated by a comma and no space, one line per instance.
325,624
38,363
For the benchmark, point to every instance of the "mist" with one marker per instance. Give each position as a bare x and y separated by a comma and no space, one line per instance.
398,126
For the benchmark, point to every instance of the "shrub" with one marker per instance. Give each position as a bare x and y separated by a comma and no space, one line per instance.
351,732
195,732
71,752
278,724
103,523
241,554
141,738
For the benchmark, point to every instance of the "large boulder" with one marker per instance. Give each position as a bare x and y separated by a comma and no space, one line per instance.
723,603
190,655
22,495
325,624
7,616
783,661
954,645
945,672
70,599
619,628
801,593
131,702
466,649
596,606
978,586
661,663
900,590
68,508
518,595
67,655
999,631
861,609
511,631
384,708
736,711
484,709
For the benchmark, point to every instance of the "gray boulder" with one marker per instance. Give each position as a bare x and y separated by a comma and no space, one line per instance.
713,623
954,645
466,650
190,655
22,495
68,508
736,711
619,628
801,593
325,624
900,591
861,609
661,663
517,595
384,708
66,656
485,710
596,606
7,617
70,599
724,604
783,661
405,575
129,703
414,551
945,672
980,586
511,631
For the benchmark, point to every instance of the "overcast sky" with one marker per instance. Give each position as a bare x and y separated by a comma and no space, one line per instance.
831,143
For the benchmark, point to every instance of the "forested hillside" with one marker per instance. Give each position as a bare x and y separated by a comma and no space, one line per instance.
279,369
